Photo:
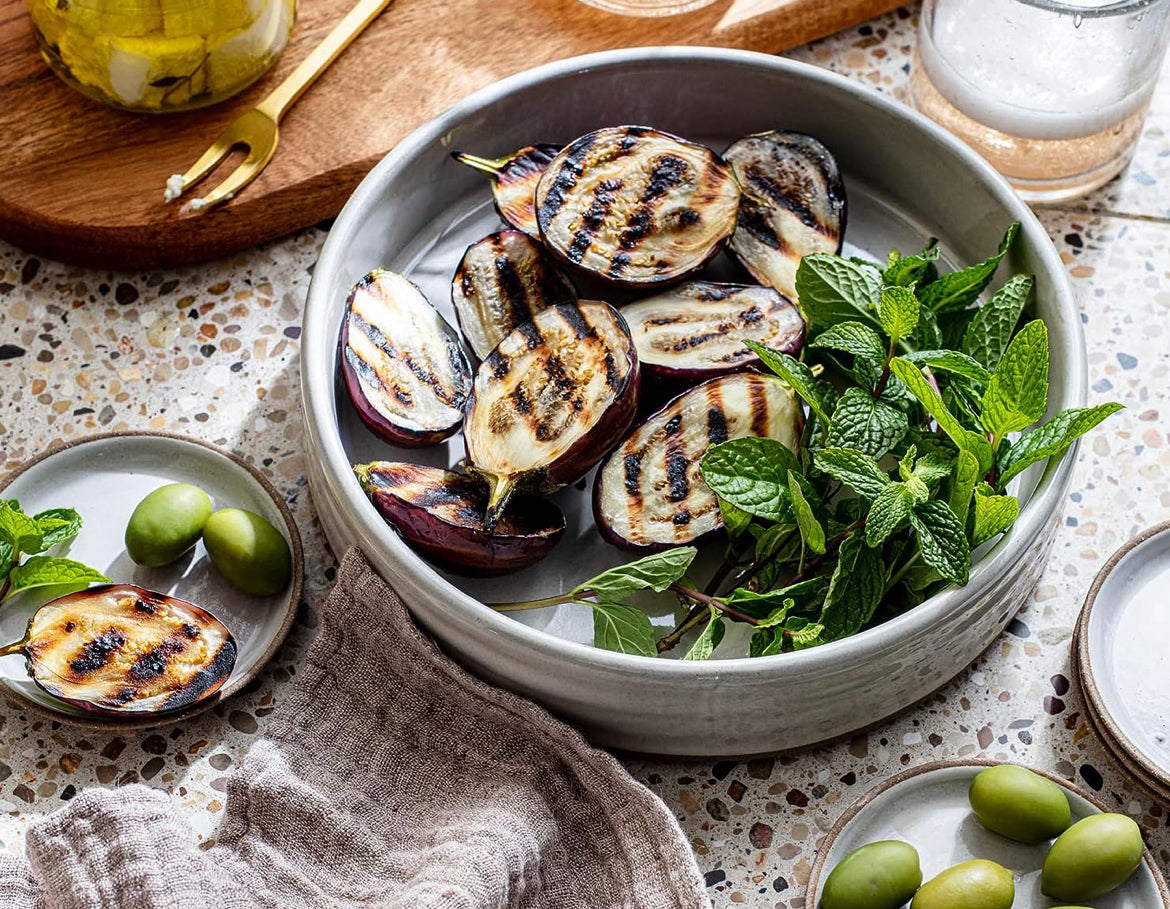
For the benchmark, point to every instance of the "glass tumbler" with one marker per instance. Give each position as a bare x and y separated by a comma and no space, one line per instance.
1052,94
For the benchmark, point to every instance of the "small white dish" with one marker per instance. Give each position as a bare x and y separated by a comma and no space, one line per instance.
927,807
104,477
1121,652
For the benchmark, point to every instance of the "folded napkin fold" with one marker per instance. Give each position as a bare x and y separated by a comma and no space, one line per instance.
388,777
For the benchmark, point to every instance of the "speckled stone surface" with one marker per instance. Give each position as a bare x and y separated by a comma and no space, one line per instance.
212,351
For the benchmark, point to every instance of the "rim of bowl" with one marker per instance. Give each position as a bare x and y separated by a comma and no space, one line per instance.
230,687
317,391
814,878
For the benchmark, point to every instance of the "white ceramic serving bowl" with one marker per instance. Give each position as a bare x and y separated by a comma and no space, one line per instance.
906,180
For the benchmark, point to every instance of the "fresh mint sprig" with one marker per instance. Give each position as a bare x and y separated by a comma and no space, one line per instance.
24,535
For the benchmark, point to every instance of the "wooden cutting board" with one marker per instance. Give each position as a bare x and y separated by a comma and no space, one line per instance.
83,183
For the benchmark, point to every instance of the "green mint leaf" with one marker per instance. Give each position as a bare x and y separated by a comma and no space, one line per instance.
912,377
709,638
800,595
966,476
657,572
928,334
891,509
856,588
906,465
960,289
765,642
943,540
752,474
777,616
735,520
868,425
951,361
831,290
623,629
1017,395
810,635
853,338
932,467
798,376
58,525
42,571
990,330
5,559
898,312
1052,439
854,468
810,528
18,530
993,515
916,269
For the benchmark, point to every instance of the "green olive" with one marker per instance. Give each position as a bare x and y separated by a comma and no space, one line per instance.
977,884
248,551
880,875
1019,804
1095,855
166,524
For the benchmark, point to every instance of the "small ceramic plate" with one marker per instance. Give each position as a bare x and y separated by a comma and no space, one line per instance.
928,808
1121,651
104,477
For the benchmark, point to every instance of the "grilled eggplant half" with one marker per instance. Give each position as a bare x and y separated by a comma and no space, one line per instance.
650,493
514,178
405,368
504,280
635,205
551,400
119,649
793,204
441,513
695,331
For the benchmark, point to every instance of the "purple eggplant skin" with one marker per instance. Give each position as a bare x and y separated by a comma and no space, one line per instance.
551,400
793,204
441,514
636,206
514,178
649,494
690,333
503,281
421,383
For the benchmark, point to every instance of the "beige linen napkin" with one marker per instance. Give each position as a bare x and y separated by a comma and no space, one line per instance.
388,777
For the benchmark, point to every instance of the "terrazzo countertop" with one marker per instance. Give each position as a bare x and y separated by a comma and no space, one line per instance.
213,351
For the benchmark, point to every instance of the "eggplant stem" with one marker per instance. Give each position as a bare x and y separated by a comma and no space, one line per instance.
488,166
500,492
14,647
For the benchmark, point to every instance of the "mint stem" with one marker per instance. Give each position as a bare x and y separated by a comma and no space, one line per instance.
555,600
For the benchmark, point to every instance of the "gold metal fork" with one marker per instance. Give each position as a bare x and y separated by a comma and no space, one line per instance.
258,130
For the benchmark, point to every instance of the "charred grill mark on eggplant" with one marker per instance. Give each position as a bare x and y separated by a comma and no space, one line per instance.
514,178
403,365
442,514
695,331
502,282
793,204
650,493
121,649
636,205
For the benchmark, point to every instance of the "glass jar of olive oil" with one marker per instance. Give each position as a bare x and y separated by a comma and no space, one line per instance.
161,55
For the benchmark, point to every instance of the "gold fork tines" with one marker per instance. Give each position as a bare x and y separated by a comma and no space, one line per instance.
257,131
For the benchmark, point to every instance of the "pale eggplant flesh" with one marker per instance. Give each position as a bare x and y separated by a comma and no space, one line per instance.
441,514
503,281
404,366
650,495
696,331
793,204
551,400
514,178
119,649
635,205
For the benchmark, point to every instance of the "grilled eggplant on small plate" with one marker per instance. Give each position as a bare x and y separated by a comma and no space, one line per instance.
635,205
650,493
695,331
441,513
121,650
503,281
551,400
793,204
405,368
514,178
